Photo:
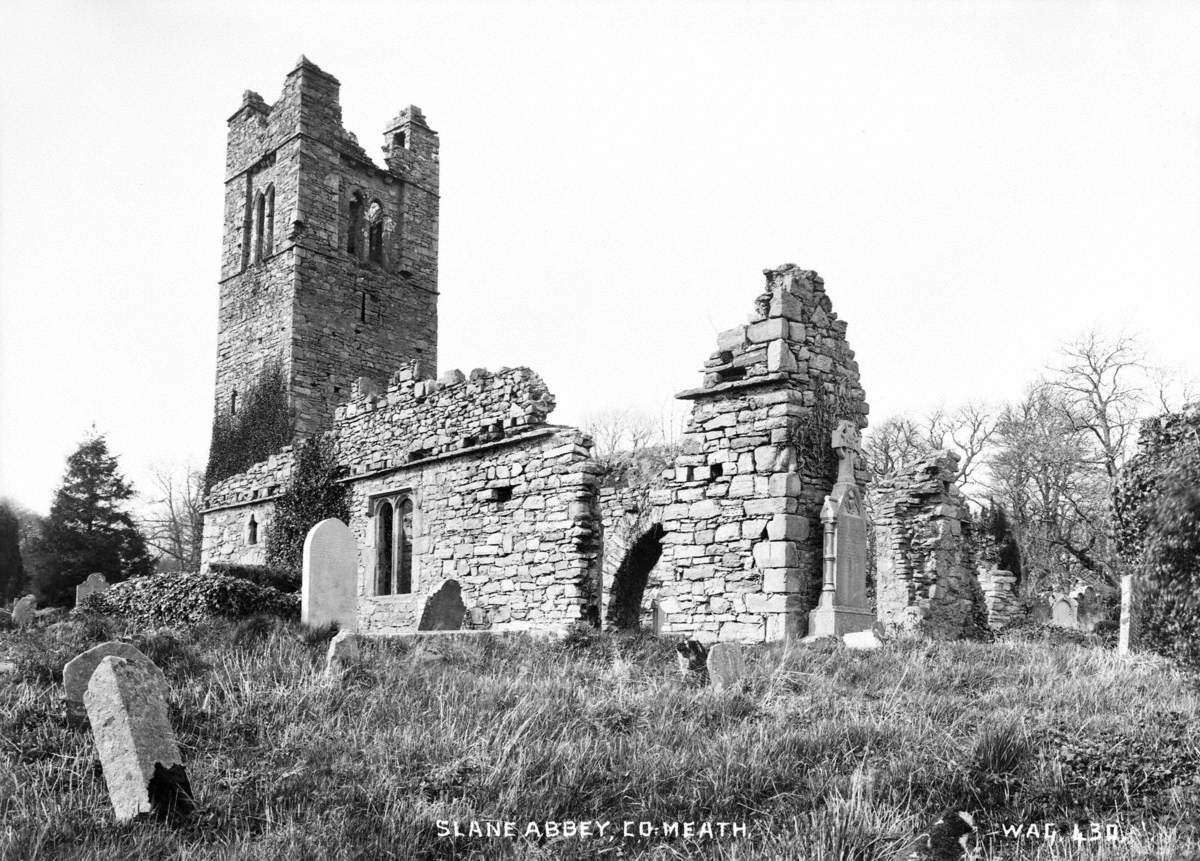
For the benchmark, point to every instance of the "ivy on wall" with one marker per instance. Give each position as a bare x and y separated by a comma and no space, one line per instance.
313,495
261,426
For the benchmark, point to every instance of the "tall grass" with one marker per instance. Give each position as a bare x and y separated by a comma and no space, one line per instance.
822,754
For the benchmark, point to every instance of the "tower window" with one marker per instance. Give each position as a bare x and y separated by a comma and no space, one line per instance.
399,141
356,223
375,233
252,531
260,203
269,230
362,308
233,403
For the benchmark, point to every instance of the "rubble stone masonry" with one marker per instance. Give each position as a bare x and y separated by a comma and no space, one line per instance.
742,556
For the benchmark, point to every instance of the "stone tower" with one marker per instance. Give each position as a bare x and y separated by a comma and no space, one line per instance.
329,262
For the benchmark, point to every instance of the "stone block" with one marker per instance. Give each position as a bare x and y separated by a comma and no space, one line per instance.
767,330
342,652
138,752
784,484
444,610
780,358
22,613
787,527
776,554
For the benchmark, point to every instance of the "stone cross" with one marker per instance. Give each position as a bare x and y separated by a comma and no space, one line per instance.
78,671
843,606
22,613
94,583
725,665
137,747
329,576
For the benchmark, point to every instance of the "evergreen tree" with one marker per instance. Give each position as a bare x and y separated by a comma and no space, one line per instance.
12,569
87,531
313,495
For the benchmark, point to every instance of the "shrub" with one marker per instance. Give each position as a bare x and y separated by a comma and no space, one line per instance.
174,599
263,575
313,495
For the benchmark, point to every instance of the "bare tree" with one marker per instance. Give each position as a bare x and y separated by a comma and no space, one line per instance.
616,430
174,522
966,430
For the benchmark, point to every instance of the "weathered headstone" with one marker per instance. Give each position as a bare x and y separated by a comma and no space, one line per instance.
843,605
444,610
22,613
1130,613
692,657
343,652
861,640
725,665
329,577
78,671
1089,609
137,747
93,584
1063,614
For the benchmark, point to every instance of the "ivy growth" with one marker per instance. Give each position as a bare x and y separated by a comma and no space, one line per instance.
313,495
261,426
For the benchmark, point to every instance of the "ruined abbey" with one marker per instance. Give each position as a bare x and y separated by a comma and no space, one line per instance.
329,286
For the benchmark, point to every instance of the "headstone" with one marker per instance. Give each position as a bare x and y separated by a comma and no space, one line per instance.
1063,614
1089,609
1130,611
137,747
843,606
444,610
343,652
692,657
78,671
22,613
725,665
93,584
329,578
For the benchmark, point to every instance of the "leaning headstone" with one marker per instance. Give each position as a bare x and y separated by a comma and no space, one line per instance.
692,657
22,613
78,671
329,577
1130,611
137,747
343,652
444,610
725,665
94,584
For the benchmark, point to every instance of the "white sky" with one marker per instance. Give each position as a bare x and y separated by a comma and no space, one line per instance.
977,182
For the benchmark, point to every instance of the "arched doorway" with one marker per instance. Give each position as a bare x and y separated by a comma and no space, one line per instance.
629,582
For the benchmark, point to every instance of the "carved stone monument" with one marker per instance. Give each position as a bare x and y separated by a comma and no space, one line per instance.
843,606
329,579
93,584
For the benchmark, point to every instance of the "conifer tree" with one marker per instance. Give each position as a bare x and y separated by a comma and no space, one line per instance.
12,569
87,530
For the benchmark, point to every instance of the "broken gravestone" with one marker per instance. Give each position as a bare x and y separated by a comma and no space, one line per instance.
78,671
444,610
22,613
94,584
725,665
867,639
329,576
138,752
343,652
692,657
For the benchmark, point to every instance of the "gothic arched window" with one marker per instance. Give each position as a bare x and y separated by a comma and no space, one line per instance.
354,238
269,228
260,204
375,232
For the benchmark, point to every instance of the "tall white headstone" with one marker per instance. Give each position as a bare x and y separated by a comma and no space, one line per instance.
329,580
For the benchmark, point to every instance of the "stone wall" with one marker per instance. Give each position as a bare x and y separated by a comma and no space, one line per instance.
300,296
925,580
742,553
232,503
1000,597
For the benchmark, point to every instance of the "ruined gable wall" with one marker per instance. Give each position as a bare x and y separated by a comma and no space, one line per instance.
742,551
926,580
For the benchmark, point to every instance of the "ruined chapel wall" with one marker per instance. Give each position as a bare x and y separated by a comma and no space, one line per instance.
231,504
515,522
742,551
925,575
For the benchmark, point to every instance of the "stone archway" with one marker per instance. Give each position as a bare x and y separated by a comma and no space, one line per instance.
629,582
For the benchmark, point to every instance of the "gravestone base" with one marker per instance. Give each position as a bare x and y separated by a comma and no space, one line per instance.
833,621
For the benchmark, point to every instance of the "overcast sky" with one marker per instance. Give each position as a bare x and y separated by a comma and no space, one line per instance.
976,182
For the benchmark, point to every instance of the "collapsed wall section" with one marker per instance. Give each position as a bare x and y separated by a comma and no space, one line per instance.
742,556
925,574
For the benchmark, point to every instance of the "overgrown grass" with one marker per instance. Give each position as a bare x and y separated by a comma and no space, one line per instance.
823,753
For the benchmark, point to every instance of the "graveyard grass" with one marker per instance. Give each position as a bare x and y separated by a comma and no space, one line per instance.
824,753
